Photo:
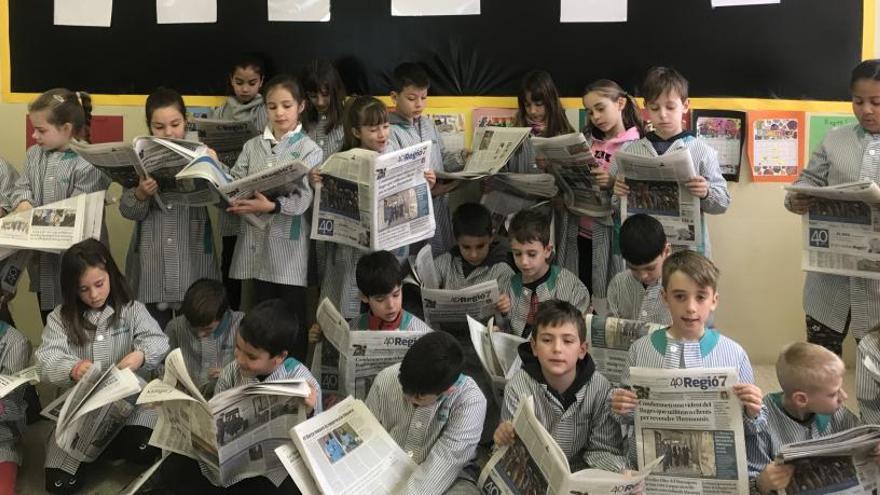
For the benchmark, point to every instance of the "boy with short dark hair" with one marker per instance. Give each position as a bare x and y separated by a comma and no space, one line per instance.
537,280
205,332
666,97
434,412
634,294
477,256
811,405
570,396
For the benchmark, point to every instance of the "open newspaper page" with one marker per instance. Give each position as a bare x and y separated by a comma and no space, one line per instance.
350,360
424,271
492,149
95,410
348,452
225,137
656,188
841,232
497,352
539,186
297,469
610,339
449,305
235,433
373,201
835,464
56,226
119,161
534,464
693,420
8,383
569,159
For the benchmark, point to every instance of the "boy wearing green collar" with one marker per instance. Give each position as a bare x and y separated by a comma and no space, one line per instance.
810,406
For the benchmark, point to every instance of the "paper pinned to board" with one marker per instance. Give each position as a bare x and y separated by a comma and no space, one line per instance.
593,11
186,11
434,7
299,10
92,13
740,3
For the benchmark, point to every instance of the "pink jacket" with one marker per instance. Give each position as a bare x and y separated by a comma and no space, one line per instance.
603,150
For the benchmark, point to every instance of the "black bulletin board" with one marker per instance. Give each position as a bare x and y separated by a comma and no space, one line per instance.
798,49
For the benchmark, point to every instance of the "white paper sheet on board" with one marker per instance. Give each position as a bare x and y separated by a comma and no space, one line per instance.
299,10
186,11
95,13
739,3
434,7
593,11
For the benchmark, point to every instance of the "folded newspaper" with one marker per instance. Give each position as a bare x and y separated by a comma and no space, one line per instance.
692,419
53,227
834,464
345,451
89,415
529,185
8,383
226,137
233,434
657,188
497,352
841,231
372,201
535,464
492,149
346,361
610,339
570,160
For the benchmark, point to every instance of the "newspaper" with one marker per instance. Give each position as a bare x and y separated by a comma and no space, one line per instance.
492,149
296,466
497,351
834,464
56,226
693,420
841,232
94,410
656,187
8,383
535,464
372,201
529,185
225,137
233,434
347,360
610,339
348,452
570,160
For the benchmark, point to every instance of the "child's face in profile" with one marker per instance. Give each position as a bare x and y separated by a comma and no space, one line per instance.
650,273
532,258
386,306
866,104
558,348
666,113
254,361
827,398
474,249
689,304
168,122
49,136
411,101
246,83
94,287
373,137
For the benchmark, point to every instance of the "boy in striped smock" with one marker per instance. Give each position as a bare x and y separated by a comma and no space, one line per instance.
809,406
634,294
434,412
537,280
689,290
205,332
570,396
15,354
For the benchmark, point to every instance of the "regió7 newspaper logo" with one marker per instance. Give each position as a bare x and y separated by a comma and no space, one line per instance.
702,383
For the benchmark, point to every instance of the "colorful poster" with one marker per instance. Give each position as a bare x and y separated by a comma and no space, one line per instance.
775,145
103,129
434,7
94,13
299,10
592,11
186,11
495,117
723,131
452,125
819,124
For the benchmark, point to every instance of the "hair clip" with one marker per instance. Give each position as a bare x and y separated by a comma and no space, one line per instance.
58,98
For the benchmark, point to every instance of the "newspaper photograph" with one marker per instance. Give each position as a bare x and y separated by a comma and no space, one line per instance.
349,360
225,137
692,420
372,201
8,383
534,464
570,160
348,452
610,339
56,226
235,433
497,352
656,188
492,149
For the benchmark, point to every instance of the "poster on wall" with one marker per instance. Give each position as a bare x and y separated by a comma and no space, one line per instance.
723,131
818,124
434,7
299,10
592,11
775,145
450,123
92,13
186,11
494,117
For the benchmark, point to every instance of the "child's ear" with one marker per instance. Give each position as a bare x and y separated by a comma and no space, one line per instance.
532,344
799,399
356,132
621,103
667,250
302,106
686,104
66,128
364,299
394,95
584,349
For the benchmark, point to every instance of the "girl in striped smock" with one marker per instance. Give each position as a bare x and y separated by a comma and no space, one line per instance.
15,355
324,111
52,172
172,247
276,257
98,323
